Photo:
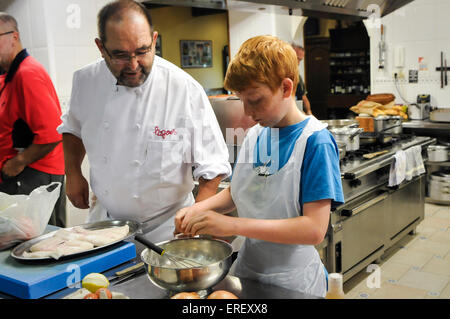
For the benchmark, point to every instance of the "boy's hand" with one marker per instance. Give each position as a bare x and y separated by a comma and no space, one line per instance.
208,222
180,217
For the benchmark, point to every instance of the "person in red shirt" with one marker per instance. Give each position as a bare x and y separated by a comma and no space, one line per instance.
31,152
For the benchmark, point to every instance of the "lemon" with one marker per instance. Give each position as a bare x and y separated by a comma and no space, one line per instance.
94,281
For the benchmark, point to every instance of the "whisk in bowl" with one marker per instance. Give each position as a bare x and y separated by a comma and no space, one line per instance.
177,261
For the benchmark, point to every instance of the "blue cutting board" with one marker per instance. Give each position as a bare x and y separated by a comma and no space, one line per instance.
32,280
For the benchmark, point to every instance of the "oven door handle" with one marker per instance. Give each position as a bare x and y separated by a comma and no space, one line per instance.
369,169
360,208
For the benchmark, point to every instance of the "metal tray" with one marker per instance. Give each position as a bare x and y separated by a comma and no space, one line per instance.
134,226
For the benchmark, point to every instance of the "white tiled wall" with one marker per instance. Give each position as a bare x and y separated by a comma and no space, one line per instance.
60,47
423,28
245,23
50,32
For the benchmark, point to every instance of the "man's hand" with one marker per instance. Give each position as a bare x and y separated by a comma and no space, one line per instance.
13,167
31,154
207,188
77,190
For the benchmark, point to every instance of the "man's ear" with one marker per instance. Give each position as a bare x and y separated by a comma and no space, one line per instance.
287,86
16,36
155,37
99,44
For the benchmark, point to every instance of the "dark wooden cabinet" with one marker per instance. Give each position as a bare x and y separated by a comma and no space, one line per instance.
337,71
317,74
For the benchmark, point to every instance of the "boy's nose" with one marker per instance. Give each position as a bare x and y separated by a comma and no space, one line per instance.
247,110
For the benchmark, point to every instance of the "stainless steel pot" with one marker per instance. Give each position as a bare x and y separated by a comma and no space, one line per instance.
438,153
213,253
439,186
388,124
349,136
340,123
342,149
368,138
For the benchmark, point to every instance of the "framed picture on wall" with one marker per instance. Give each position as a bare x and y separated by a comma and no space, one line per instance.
196,53
158,47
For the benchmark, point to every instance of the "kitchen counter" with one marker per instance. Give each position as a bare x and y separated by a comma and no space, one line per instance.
140,287
427,128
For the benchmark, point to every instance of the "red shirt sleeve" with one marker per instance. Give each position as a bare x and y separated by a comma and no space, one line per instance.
41,109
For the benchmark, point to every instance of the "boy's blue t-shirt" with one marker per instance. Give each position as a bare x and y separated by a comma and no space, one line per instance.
320,173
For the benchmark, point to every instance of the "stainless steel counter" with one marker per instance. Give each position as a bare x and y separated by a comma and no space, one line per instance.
426,124
140,287
427,128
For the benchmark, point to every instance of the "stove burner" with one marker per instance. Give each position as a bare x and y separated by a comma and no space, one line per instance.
376,147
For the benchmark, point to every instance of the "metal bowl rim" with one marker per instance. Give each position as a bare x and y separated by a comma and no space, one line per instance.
191,238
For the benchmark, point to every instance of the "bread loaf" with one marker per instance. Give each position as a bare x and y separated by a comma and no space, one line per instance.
381,98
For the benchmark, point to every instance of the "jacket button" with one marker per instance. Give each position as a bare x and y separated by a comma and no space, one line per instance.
106,125
138,126
136,163
105,159
136,196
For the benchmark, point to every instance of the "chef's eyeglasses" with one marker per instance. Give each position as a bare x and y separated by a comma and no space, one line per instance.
4,33
125,57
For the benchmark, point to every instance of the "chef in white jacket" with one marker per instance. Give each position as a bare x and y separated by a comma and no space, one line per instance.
146,126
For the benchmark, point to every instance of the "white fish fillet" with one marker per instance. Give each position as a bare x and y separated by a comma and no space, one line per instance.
68,235
75,240
73,246
48,244
41,254
106,236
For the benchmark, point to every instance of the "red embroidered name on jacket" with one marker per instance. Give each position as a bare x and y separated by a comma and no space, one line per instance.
164,133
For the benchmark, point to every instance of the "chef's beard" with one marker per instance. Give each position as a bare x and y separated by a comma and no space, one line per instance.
122,79
125,81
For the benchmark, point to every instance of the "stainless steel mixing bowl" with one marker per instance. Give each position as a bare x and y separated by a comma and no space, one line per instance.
214,254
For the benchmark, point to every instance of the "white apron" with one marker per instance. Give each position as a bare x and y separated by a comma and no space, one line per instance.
295,267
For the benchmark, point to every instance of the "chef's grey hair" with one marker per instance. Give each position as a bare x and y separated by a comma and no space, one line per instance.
114,10
9,19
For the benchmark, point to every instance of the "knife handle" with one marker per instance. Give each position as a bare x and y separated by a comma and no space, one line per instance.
129,269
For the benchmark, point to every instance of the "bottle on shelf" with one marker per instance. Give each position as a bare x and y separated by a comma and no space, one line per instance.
338,87
366,90
348,88
335,287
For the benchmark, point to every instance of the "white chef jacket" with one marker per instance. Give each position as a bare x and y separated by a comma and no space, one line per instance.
143,142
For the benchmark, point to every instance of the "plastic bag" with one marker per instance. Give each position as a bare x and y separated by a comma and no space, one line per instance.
23,217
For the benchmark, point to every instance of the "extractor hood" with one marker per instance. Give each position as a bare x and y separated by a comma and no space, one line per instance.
335,9
331,9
